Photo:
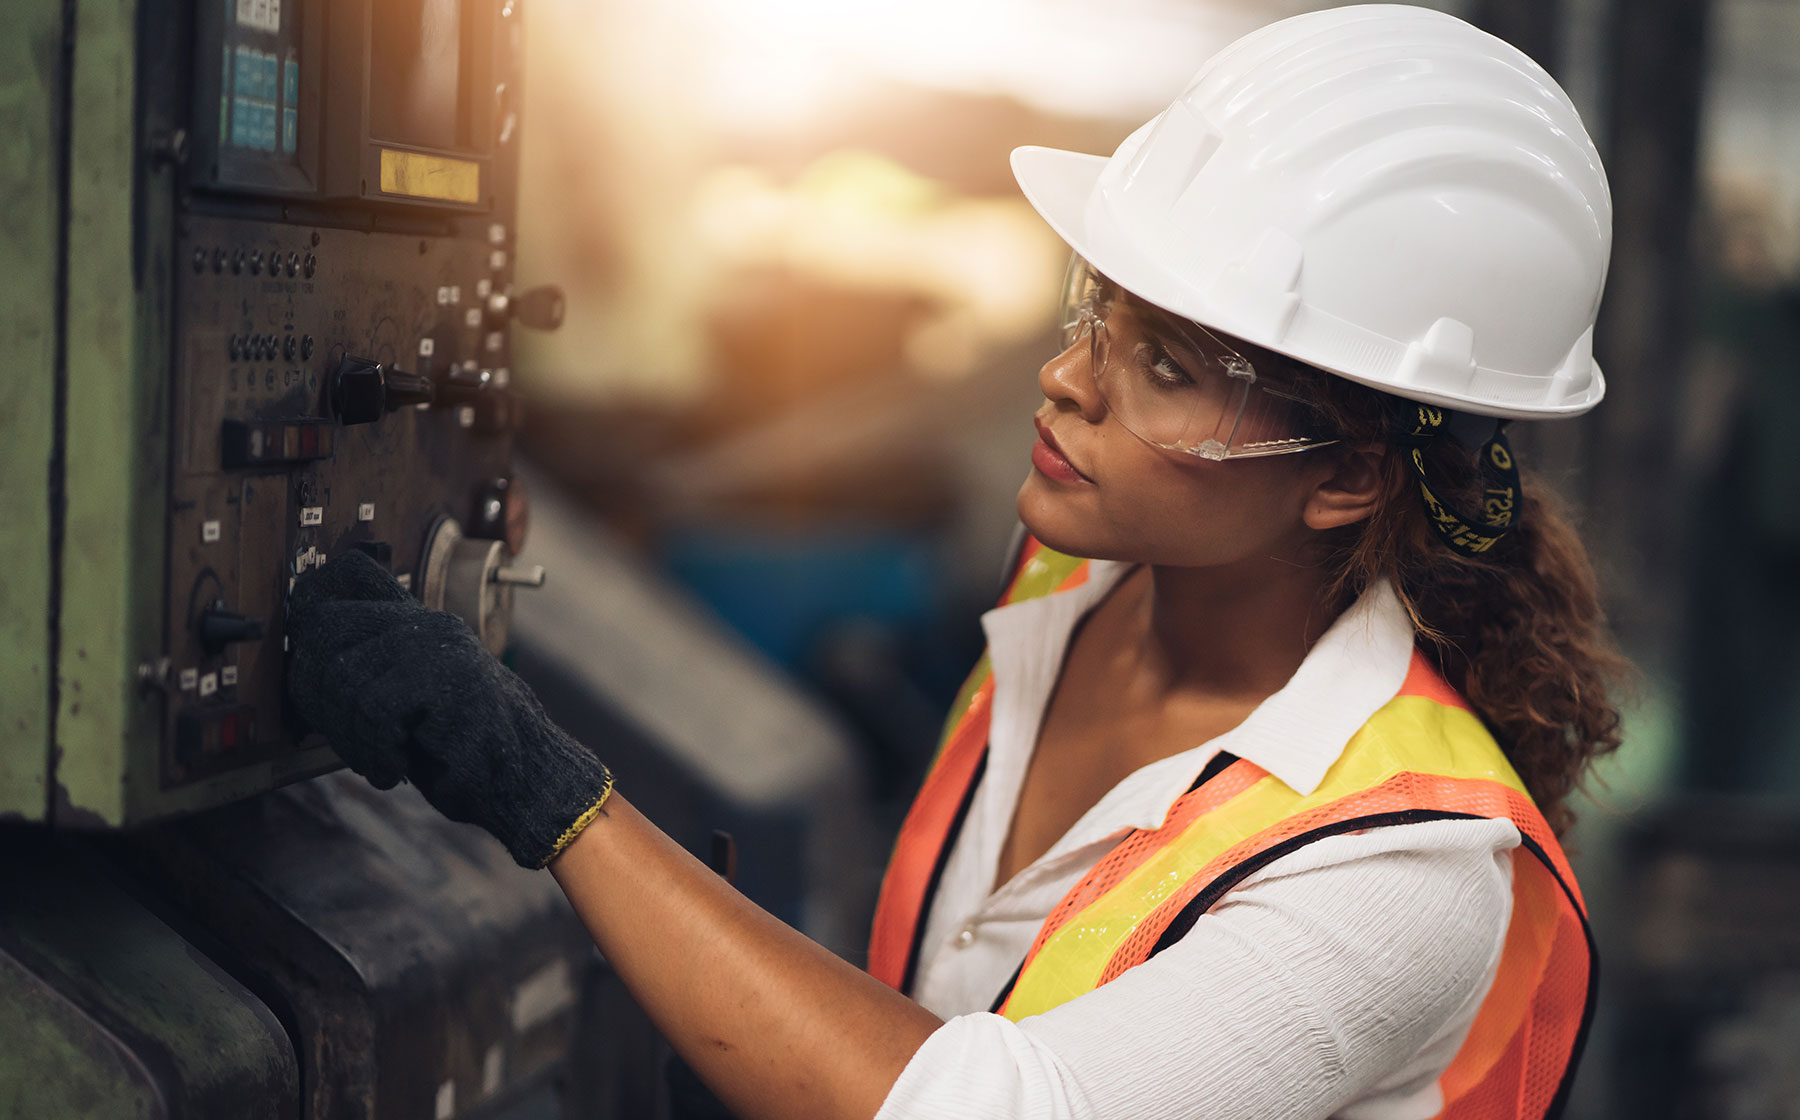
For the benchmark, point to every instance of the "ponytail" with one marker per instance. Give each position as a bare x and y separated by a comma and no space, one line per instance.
1517,629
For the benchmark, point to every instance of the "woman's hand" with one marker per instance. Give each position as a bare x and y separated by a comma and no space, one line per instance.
406,692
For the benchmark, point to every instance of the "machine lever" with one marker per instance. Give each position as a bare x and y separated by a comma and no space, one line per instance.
521,577
407,388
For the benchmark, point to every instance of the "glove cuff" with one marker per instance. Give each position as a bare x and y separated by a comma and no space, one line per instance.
586,818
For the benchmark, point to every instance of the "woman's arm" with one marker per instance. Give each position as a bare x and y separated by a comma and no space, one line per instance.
774,1023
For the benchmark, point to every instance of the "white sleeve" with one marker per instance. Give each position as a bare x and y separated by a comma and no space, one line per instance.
1348,971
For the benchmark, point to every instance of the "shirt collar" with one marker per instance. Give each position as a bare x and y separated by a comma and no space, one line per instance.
1356,667
1297,733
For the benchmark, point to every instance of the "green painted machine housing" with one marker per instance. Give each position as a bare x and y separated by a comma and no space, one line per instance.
32,73
86,310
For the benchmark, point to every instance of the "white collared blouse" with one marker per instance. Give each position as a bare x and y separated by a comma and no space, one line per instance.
1338,981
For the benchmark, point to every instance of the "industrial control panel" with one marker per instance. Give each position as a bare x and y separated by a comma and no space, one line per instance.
335,390
341,373
295,341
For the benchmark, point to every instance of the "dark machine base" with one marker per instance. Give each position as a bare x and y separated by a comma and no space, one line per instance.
323,951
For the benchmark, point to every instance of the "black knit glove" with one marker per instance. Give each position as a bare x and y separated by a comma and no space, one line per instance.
402,691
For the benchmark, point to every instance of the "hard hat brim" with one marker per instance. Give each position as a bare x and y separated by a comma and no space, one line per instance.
1058,185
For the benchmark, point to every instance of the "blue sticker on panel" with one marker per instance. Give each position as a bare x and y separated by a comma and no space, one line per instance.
290,130
290,82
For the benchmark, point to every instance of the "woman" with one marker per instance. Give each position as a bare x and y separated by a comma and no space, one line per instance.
1253,811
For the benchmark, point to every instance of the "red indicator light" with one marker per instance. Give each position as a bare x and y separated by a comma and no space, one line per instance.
228,728
309,441
290,442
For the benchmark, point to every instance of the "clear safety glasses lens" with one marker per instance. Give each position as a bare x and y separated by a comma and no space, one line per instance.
1175,384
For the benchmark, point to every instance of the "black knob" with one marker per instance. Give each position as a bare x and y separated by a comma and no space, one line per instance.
539,308
220,627
363,391
359,391
289,346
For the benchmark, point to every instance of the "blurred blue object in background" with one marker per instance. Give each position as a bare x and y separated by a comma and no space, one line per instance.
785,588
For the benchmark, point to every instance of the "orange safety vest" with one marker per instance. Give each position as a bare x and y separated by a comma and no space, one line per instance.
1423,756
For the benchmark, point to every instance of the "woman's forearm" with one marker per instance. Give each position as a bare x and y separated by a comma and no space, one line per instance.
773,1022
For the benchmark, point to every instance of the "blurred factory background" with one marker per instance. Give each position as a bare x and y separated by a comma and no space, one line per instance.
805,309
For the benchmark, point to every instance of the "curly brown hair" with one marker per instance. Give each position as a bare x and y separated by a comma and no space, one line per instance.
1519,631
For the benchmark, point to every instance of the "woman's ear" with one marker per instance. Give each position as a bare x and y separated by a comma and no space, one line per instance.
1351,491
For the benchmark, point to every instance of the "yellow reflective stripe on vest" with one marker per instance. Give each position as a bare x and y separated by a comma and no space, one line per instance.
1410,734
1045,571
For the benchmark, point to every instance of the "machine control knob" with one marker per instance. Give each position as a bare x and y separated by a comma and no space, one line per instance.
470,577
363,390
408,388
359,391
220,626
539,308
464,384
495,409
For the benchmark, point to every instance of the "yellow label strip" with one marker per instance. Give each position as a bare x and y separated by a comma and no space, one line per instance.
418,175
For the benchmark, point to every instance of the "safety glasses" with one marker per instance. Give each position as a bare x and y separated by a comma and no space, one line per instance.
1174,384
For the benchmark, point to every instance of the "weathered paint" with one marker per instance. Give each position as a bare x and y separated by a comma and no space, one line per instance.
59,1062
117,324
118,1014
31,78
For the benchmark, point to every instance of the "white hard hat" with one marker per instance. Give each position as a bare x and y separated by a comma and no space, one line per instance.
1382,191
